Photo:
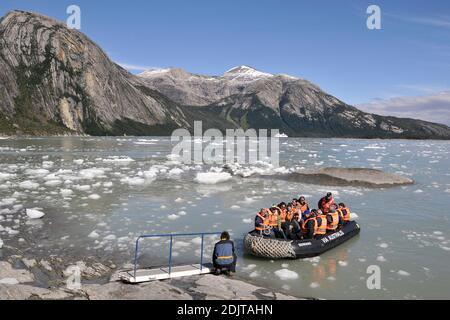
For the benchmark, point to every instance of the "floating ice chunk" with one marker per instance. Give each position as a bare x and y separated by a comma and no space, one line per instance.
82,188
438,233
343,263
7,201
285,265
314,285
247,220
108,184
47,164
235,207
179,200
383,245
418,191
92,173
66,192
248,200
182,213
6,176
173,217
78,161
136,181
93,234
28,185
181,244
116,159
197,240
1,243
212,177
285,274
175,172
37,172
249,267
34,214
403,273
94,196
110,237
381,259
254,274
53,183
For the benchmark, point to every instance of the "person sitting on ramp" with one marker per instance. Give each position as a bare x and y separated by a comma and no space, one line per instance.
224,257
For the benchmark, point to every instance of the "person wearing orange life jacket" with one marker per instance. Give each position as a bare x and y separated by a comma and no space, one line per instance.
321,223
291,226
325,202
275,222
333,219
283,212
262,222
309,225
344,212
303,205
314,225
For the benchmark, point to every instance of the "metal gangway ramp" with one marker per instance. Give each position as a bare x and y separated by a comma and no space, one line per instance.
169,272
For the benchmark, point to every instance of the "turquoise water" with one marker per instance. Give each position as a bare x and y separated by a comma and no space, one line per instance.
99,194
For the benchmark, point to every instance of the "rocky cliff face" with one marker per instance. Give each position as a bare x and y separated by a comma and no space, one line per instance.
249,98
55,81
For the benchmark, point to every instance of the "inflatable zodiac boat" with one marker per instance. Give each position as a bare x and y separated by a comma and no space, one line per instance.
263,247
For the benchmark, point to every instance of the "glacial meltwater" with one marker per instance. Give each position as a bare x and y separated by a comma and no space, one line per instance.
99,194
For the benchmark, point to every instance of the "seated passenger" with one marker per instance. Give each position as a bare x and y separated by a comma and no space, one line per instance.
309,226
275,222
303,205
333,219
344,212
224,257
321,224
262,222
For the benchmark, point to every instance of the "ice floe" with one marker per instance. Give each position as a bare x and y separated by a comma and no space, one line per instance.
286,274
28,185
403,273
212,177
34,214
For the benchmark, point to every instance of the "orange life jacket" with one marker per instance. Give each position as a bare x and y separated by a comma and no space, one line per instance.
322,227
335,221
326,205
273,219
304,207
344,213
265,222
290,215
283,215
304,223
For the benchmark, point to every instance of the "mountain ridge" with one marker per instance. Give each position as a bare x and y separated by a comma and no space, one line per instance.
55,80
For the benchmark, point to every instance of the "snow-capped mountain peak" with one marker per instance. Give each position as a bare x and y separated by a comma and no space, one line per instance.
246,73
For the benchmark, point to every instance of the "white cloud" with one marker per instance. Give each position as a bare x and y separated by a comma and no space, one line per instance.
434,107
436,21
134,67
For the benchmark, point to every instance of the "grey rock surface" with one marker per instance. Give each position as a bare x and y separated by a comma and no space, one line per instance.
207,287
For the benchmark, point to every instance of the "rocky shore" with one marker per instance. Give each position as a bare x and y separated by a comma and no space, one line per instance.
23,284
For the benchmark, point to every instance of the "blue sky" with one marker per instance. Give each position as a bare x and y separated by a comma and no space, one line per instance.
326,42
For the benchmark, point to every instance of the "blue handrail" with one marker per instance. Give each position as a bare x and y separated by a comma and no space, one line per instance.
171,243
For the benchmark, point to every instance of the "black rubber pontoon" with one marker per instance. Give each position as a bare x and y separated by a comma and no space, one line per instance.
297,249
